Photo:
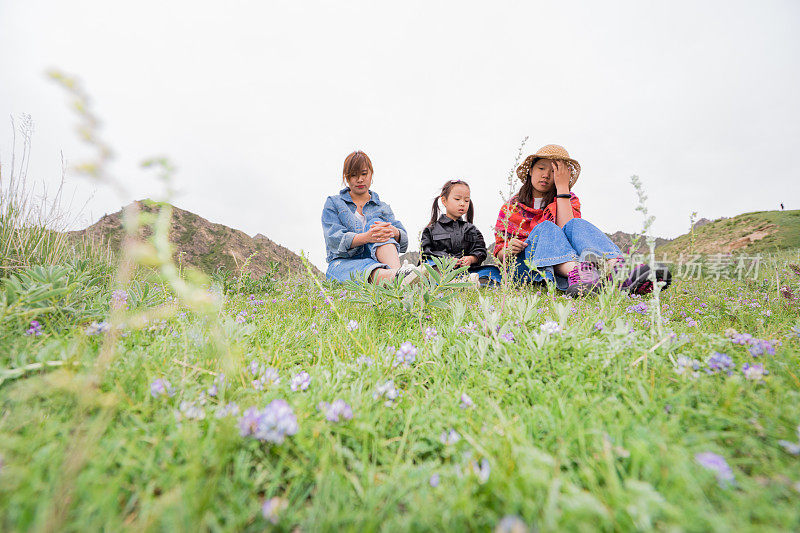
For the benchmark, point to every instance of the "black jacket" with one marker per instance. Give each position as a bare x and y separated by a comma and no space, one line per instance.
456,238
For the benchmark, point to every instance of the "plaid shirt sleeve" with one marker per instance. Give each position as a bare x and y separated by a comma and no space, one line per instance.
551,210
502,228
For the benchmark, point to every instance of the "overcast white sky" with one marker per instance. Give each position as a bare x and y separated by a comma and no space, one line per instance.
258,103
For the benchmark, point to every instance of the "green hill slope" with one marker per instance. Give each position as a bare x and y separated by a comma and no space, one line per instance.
758,232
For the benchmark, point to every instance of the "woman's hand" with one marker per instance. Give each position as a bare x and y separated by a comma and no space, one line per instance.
380,231
561,176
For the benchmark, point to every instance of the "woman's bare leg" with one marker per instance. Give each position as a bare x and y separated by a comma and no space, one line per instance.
387,254
380,274
564,268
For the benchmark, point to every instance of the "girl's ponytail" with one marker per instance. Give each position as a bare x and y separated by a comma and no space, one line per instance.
470,212
434,212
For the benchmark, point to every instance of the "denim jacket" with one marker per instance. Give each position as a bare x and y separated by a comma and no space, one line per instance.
340,225
455,238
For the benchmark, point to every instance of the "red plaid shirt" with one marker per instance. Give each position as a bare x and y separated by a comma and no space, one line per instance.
517,220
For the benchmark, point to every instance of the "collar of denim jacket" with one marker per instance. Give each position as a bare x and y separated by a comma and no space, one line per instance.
345,195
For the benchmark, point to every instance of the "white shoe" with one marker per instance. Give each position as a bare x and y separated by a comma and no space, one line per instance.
475,280
409,273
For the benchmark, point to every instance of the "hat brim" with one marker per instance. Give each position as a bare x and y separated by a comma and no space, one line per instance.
574,167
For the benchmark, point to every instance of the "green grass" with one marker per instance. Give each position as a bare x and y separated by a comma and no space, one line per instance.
578,435
783,226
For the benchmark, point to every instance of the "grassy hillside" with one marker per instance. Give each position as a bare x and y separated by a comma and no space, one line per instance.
750,233
307,410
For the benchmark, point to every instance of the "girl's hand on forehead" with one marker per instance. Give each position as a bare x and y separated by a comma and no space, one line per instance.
561,175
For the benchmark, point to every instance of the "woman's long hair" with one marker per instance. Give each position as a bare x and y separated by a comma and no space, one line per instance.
525,194
446,188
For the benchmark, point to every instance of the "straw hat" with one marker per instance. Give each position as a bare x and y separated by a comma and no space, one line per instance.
554,152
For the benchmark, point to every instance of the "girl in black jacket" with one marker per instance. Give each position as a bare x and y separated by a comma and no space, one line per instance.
449,235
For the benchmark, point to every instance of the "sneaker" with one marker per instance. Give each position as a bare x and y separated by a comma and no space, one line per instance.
638,280
409,273
475,280
583,280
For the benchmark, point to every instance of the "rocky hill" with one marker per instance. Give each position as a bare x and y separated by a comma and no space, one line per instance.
625,241
206,245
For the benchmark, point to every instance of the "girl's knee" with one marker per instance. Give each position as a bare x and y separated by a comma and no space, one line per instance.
547,227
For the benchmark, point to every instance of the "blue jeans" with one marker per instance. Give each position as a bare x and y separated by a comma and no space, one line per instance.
549,245
356,268
345,268
487,271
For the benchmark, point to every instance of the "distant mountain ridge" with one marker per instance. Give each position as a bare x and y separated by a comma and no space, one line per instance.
206,245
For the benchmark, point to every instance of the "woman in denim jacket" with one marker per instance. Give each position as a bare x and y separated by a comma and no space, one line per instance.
362,236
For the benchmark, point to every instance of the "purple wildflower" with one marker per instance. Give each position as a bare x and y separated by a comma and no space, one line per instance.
470,327
431,333
406,354
640,308
229,409
96,328
466,401
684,364
720,362
161,387
300,381
508,337
792,447
336,411
212,390
449,438
481,470
511,524
717,464
741,338
599,325
270,377
434,480
352,325
388,391
759,347
119,299
755,371
241,318
364,360
35,330
191,411
272,508
248,424
254,367
550,327
271,424
691,322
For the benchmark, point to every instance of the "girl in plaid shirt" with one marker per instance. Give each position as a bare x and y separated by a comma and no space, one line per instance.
540,234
